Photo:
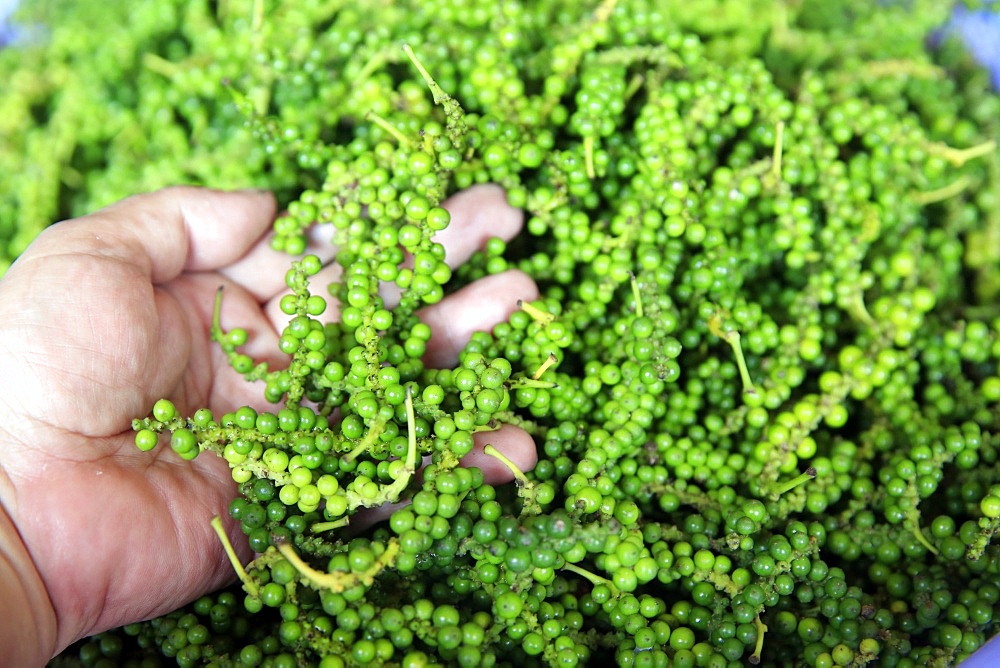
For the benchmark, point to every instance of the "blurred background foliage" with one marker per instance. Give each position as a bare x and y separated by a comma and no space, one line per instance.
106,98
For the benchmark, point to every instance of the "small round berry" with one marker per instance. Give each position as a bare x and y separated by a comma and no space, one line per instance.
146,439
164,411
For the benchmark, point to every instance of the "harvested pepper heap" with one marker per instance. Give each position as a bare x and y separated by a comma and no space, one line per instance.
762,376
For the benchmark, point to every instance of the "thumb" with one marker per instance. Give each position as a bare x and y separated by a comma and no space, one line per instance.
165,232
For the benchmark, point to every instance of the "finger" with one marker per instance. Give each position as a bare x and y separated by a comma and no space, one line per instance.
513,442
213,378
477,214
477,307
261,270
168,231
318,285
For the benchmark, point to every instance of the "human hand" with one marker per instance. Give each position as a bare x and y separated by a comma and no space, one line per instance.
104,314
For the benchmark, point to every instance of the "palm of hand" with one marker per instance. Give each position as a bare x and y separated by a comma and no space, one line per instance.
99,319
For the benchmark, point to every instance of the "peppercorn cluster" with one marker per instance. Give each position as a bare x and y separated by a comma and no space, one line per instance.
762,375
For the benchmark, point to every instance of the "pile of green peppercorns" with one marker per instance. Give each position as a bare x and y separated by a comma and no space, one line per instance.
762,375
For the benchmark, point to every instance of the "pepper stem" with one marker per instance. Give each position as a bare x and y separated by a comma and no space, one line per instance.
761,630
339,581
536,313
593,578
241,573
549,361
519,477
807,475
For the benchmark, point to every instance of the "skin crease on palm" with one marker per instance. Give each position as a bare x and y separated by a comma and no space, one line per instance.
103,315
